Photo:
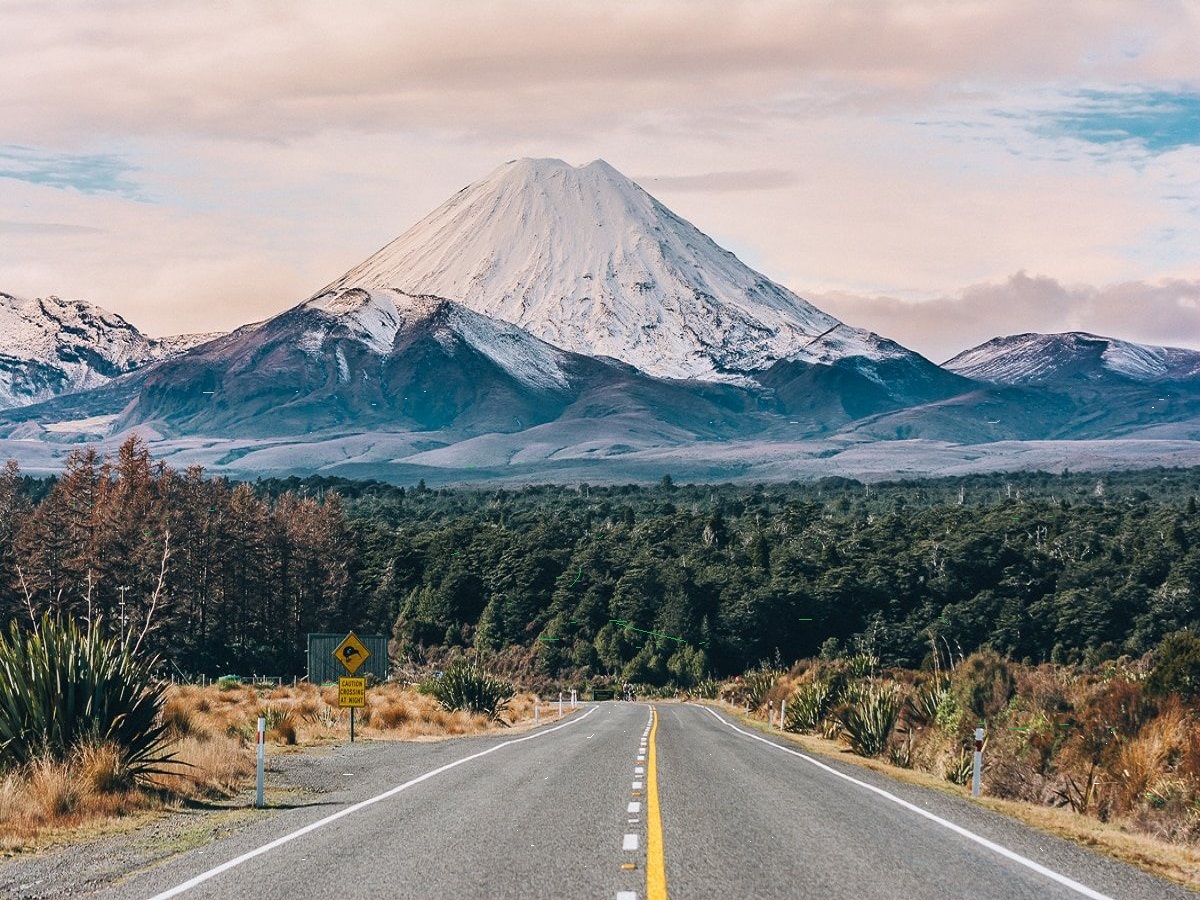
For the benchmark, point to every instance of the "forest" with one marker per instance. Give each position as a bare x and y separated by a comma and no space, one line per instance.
662,585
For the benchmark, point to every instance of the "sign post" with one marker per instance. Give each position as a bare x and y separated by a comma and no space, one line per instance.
352,692
977,767
258,791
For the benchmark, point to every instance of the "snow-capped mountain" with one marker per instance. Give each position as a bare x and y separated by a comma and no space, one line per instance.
588,261
50,346
383,360
1025,359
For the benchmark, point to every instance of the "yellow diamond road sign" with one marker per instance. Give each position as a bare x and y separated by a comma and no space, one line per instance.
351,653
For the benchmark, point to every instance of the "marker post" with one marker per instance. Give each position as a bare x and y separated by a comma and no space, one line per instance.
262,734
977,767
560,704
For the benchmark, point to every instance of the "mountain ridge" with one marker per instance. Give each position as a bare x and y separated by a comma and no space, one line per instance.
1042,358
587,260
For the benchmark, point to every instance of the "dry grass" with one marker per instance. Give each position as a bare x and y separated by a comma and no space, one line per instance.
1168,860
212,730
50,796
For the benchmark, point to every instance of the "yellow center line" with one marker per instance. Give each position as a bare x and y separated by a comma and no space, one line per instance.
656,871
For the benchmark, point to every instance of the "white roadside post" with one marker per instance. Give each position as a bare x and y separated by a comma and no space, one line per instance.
262,733
560,704
770,714
782,710
977,769
536,711
574,698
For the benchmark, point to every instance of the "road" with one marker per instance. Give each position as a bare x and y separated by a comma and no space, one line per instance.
572,810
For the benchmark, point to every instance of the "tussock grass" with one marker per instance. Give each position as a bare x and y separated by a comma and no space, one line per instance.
211,732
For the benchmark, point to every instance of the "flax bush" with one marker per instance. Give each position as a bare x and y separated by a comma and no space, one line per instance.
868,721
808,706
463,686
63,687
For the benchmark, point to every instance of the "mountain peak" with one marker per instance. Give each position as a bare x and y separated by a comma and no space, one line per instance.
1033,358
585,259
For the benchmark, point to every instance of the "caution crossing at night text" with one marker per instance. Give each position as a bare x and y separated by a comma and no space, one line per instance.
352,692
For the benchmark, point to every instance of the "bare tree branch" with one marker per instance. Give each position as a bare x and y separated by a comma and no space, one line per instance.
154,598
28,598
89,597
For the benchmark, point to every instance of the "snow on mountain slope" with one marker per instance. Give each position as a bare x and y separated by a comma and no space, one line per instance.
1041,358
174,344
375,317
587,260
50,346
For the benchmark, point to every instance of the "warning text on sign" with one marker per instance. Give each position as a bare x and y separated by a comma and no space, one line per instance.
352,692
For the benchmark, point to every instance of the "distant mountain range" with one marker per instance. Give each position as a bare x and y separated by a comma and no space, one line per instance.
50,346
1074,357
565,307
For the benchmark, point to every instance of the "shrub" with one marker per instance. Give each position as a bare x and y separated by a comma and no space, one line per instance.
463,686
926,700
62,687
862,665
809,706
983,684
868,721
758,683
1177,667
280,722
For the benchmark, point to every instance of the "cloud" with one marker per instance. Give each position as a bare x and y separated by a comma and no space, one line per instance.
95,173
719,182
1165,313
54,229
273,72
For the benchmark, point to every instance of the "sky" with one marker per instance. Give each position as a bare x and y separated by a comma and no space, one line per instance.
938,172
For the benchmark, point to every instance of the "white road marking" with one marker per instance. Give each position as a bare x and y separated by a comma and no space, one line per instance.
637,785
641,757
370,801
639,770
957,829
626,895
634,806
630,842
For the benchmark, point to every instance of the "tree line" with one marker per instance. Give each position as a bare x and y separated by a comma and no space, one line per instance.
654,584
208,574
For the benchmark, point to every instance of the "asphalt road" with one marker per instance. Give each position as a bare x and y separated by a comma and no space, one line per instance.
570,811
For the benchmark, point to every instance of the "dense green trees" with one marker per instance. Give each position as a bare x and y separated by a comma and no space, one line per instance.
702,580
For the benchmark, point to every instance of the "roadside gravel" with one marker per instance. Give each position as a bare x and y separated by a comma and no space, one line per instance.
83,867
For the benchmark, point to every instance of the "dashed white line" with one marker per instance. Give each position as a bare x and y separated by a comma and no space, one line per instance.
630,842
637,785
626,895
639,770
634,806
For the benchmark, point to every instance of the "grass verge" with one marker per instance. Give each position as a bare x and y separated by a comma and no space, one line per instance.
1174,862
